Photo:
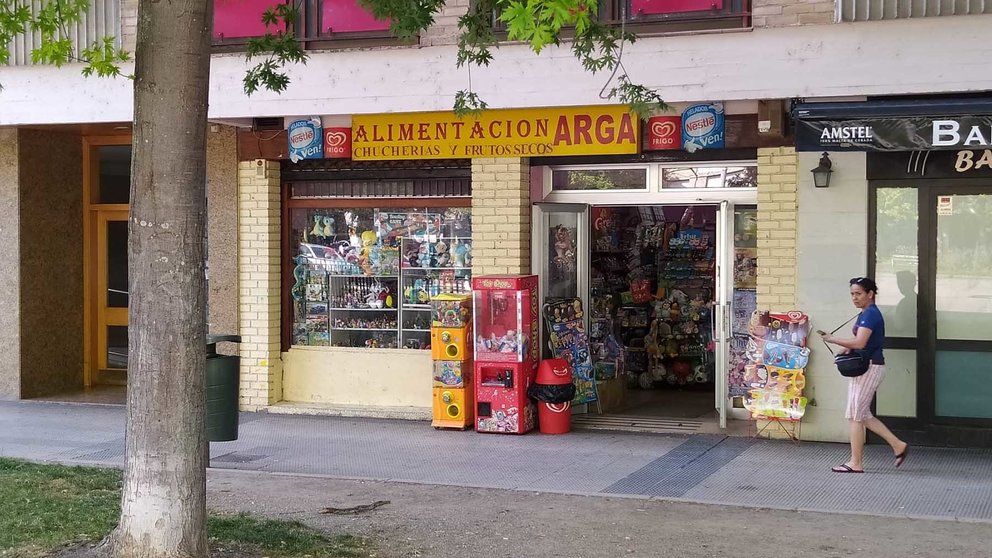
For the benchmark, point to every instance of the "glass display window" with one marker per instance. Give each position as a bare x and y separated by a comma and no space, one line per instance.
506,317
600,179
710,177
364,276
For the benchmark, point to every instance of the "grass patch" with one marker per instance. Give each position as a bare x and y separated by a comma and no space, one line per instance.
280,538
43,507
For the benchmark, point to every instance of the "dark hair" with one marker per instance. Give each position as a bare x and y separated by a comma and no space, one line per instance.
865,283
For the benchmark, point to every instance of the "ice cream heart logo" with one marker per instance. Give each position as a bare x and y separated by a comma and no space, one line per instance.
662,129
795,316
335,139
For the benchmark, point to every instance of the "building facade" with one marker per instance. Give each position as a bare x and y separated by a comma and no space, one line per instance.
757,60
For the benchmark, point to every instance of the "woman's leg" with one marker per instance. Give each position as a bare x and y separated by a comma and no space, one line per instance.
878,427
857,446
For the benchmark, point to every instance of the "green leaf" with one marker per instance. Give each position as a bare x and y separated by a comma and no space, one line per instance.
468,103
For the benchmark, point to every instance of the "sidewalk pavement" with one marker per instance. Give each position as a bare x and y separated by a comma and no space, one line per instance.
934,483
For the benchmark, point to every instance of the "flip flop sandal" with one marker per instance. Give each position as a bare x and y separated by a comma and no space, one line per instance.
901,457
845,469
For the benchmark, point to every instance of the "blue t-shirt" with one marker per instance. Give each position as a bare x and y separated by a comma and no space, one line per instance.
871,318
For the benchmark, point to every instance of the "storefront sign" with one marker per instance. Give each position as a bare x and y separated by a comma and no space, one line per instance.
963,163
594,130
703,127
894,134
664,132
337,143
306,139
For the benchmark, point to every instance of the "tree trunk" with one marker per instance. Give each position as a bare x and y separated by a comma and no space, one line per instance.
163,504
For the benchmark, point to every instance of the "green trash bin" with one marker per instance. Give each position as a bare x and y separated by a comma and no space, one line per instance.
223,374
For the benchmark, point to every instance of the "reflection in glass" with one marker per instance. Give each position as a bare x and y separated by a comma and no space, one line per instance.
561,269
604,179
710,177
116,346
963,384
964,267
114,167
897,395
117,295
896,259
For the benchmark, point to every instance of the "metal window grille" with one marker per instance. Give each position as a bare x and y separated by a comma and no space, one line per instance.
414,188
103,19
874,10
343,178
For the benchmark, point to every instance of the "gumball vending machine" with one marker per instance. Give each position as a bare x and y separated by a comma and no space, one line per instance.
451,348
506,345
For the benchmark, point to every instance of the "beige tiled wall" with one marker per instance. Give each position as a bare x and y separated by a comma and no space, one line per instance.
777,213
500,216
258,280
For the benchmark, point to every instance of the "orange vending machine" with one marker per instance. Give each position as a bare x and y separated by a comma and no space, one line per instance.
506,333
451,348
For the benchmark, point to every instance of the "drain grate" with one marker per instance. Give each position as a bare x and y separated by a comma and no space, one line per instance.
633,423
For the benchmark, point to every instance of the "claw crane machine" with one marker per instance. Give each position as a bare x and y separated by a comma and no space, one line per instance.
506,351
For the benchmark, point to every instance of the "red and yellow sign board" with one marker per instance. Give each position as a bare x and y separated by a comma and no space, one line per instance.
537,132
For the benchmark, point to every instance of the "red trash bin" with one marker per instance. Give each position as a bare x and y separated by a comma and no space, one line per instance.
554,418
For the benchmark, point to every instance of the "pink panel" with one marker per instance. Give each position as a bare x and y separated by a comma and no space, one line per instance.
342,16
649,7
241,18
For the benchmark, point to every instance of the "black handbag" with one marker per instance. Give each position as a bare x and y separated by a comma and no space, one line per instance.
853,363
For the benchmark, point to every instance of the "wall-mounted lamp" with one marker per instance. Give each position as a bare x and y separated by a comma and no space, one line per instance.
822,172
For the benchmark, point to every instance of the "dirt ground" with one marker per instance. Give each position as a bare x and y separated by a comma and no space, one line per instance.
450,522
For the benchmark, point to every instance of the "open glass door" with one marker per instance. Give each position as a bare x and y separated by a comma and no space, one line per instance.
559,254
723,310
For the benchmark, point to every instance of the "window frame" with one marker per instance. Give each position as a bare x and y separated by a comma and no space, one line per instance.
311,39
736,17
654,193
611,12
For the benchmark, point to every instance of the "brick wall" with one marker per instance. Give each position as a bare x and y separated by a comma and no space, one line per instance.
500,216
777,214
258,280
129,24
780,13
445,28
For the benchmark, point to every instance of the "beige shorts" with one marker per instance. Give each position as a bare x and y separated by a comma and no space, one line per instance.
861,391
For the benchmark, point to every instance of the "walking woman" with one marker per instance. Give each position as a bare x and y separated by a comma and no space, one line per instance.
869,334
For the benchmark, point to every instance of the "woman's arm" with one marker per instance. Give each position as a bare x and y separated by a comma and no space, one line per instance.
857,342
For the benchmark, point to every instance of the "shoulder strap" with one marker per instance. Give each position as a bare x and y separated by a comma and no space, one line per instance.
852,318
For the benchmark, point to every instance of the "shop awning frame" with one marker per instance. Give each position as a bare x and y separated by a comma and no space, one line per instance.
889,108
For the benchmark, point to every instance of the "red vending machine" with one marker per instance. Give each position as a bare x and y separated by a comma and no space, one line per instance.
506,351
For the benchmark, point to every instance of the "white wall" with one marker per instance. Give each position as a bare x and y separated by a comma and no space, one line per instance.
832,248
901,56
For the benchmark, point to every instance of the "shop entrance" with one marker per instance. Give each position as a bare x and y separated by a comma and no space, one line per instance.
933,260
652,288
657,283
